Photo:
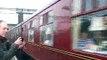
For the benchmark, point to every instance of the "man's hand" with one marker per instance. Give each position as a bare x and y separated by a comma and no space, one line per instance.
20,43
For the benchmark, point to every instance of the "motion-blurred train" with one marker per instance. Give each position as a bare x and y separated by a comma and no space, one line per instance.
53,32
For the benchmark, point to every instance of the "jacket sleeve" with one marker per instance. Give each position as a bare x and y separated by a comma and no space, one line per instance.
11,52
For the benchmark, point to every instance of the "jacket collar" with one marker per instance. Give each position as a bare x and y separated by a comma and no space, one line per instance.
3,39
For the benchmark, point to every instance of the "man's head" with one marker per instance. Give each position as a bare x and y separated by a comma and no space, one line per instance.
3,28
84,35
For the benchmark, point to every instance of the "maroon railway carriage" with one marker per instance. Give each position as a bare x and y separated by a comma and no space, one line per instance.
53,33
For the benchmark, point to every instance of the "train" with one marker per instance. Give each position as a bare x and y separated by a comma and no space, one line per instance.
53,32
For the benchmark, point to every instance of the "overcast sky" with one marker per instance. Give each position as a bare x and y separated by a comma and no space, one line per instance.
35,4
28,4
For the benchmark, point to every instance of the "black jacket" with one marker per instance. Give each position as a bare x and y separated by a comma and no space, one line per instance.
6,54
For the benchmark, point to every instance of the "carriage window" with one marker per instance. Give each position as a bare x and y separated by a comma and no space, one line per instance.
88,5
31,32
24,32
50,17
17,33
41,20
76,6
44,19
99,3
102,2
47,18
46,33
95,4
46,29
90,32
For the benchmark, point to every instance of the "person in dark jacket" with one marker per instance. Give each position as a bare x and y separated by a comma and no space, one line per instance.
7,54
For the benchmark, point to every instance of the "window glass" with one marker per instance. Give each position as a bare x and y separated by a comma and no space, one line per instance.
76,6
17,33
88,5
46,33
50,17
47,18
95,4
28,25
90,32
31,32
41,20
99,3
102,2
25,33
47,28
